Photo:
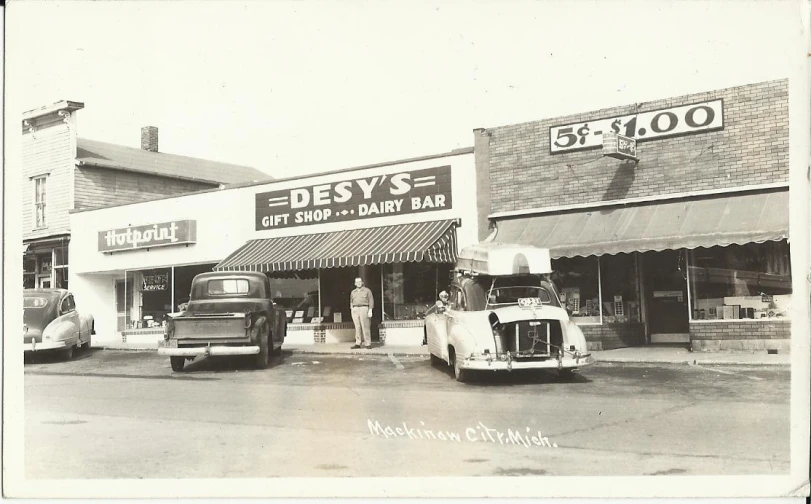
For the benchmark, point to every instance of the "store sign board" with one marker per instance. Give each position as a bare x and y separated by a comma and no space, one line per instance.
619,146
686,119
148,236
405,192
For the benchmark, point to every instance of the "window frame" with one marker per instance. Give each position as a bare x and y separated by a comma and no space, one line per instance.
40,205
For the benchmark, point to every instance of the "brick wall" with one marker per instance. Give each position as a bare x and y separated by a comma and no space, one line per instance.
47,151
98,187
751,149
608,336
740,335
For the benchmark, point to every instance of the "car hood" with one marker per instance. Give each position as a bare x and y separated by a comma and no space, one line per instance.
509,314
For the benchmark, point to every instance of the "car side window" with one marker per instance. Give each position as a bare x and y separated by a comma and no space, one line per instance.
67,305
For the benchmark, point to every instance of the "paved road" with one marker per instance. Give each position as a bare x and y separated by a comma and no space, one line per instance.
111,414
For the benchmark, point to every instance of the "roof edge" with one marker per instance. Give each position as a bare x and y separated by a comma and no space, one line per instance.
239,185
97,163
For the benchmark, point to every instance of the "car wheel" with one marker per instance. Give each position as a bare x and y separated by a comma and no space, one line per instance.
177,363
460,374
276,352
263,357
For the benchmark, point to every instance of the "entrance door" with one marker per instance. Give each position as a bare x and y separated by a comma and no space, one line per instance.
666,289
371,279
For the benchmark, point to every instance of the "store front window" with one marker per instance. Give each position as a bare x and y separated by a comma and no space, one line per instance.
336,284
737,282
410,289
620,289
29,271
156,297
298,294
61,267
577,280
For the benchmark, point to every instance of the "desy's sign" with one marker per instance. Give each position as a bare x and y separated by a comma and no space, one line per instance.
686,119
148,236
374,196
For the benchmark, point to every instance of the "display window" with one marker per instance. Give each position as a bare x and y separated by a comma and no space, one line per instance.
29,271
336,285
411,289
620,289
740,282
578,282
298,294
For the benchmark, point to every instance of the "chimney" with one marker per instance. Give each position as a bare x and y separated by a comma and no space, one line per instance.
149,138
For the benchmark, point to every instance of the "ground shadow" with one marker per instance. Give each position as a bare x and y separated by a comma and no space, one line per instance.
53,356
229,364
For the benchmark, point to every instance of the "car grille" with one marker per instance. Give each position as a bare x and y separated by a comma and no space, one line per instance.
533,338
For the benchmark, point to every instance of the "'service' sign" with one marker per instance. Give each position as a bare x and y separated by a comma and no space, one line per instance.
148,236
362,198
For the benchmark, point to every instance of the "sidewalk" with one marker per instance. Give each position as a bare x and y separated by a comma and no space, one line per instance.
647,354
653,355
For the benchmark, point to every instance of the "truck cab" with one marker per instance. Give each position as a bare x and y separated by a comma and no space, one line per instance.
228,313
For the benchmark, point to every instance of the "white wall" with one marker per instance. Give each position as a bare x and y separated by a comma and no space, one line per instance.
225,221
95,294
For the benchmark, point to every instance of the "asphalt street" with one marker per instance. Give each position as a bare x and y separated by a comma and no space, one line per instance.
119,414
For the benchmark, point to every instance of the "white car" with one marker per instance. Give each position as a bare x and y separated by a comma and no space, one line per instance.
503,314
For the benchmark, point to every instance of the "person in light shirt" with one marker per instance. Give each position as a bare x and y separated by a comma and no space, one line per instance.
362,302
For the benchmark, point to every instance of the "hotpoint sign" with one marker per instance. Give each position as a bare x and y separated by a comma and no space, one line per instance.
395,194
151,235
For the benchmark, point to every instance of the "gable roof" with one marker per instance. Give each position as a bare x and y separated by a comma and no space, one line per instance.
119,157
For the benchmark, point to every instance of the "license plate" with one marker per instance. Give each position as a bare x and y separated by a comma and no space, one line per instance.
531,301
170,343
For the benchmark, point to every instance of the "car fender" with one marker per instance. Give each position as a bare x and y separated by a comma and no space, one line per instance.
573,335
86,322
60,330
462,340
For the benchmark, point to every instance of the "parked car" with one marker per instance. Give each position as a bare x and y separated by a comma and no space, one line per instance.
228,313
503,313
51,322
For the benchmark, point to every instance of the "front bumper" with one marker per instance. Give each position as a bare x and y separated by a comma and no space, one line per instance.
216,350
44,345
489,362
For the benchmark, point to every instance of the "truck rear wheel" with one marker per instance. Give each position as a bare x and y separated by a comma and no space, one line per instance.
263,357
177,363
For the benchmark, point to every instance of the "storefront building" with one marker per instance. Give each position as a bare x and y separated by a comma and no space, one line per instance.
672,230
63,172
397,225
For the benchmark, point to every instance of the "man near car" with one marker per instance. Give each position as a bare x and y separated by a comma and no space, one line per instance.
362,302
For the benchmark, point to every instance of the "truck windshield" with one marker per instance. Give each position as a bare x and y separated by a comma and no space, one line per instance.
227,287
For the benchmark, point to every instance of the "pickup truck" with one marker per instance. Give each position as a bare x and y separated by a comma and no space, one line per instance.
229,313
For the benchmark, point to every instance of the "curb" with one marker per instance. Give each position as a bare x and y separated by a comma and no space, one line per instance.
401,353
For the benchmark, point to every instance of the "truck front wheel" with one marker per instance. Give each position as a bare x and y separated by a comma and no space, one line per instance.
177,363
263,357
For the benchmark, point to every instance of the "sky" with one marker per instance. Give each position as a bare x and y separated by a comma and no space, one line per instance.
304,87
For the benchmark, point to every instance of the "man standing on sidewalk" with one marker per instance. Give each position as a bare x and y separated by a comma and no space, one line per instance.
362,302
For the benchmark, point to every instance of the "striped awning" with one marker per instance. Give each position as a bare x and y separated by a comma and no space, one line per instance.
706,222
422,241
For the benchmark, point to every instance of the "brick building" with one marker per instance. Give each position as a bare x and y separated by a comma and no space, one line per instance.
62,172
687,244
